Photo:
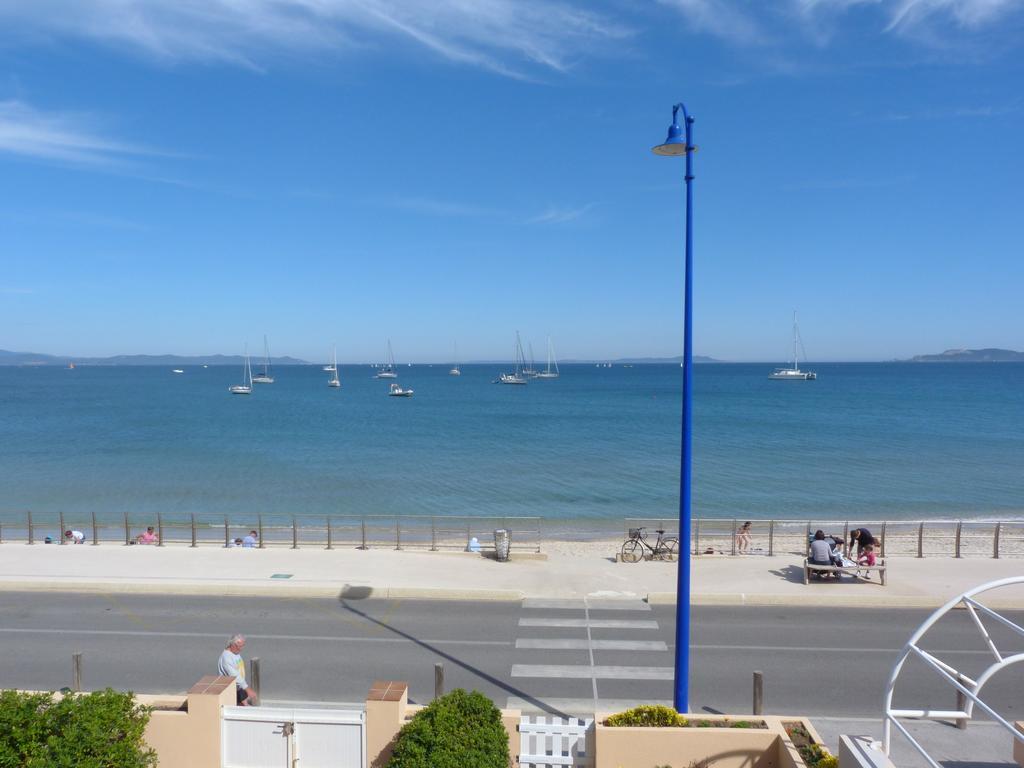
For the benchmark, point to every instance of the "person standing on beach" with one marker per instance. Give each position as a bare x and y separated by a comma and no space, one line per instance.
743,538
231,664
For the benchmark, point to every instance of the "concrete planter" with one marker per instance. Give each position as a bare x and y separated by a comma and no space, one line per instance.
721,746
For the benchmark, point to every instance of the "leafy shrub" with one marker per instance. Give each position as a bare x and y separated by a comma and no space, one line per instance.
653,715
459,729
98,730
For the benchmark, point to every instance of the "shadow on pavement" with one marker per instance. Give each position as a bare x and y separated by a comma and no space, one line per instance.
361,593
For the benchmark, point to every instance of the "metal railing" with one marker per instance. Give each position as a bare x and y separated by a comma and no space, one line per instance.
897,538
434,533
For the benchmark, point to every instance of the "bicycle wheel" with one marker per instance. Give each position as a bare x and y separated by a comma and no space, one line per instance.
669,550
632,551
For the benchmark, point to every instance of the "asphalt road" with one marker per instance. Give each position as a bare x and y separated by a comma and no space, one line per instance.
555,656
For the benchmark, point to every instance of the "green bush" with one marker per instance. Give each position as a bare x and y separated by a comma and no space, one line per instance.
97,730
653,715
459,729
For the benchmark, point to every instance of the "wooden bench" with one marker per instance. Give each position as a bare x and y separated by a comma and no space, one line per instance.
858,572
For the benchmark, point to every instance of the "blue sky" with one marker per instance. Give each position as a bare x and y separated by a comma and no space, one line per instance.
183,176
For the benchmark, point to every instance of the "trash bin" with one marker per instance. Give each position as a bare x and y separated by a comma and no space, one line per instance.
502,544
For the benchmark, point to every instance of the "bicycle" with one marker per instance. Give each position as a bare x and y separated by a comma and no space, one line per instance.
636,547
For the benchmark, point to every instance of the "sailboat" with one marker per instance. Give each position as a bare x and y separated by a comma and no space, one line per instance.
265,377
387,371
245,388
548,373
517,377
334,381
794,373
529,371
455,368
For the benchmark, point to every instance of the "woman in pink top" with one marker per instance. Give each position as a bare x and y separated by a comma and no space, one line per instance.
149,537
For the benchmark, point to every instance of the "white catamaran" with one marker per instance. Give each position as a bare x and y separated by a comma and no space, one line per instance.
265,377
245,388
387,371
334,381
548,373
794,373
517,377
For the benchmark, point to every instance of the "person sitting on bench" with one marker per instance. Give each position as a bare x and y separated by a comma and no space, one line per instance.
822,552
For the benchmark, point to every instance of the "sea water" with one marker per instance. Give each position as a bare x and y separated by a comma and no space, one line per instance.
874,441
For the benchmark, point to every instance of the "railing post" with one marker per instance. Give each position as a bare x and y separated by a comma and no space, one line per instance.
959,525
95,530
330,543
734,537
882,552
295,534
469,534
363,526
438,680
398,533
807,540
159,529
696,536
227,535
259,530
254,676
193,529
920,539
76,672
539,534
961,704
127,530
995,541
846,539
31,532
433,534
758,692
63,538
771,538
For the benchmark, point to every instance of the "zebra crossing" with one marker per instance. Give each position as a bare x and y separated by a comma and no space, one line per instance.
612,656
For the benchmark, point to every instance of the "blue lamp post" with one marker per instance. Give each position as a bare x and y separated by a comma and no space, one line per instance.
679,142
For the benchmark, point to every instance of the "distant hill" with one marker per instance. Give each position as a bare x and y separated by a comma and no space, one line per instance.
35,358
971,356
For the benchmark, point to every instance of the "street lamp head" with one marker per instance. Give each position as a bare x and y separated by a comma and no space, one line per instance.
675,144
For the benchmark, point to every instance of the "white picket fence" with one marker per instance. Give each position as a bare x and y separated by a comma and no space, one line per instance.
271,737
546,742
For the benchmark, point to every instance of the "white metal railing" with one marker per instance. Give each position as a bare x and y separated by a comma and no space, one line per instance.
968,690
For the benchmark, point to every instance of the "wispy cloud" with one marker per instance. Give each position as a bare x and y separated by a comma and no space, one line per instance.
553,215
505,36
768,25
436,207
725,19
9,290
63,137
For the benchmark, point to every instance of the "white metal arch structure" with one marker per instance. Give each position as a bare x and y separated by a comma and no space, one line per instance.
971,689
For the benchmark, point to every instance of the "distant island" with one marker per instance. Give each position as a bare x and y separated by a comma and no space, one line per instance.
970,356
37,359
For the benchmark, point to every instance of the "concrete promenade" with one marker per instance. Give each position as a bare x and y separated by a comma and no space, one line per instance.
569,571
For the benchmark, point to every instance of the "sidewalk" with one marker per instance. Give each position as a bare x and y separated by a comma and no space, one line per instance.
570,570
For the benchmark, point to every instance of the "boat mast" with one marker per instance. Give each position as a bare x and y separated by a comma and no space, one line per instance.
266,356
795,366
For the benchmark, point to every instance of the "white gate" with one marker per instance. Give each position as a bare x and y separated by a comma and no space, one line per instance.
271,737
545,742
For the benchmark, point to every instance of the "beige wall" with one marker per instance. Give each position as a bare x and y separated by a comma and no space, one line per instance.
189,736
